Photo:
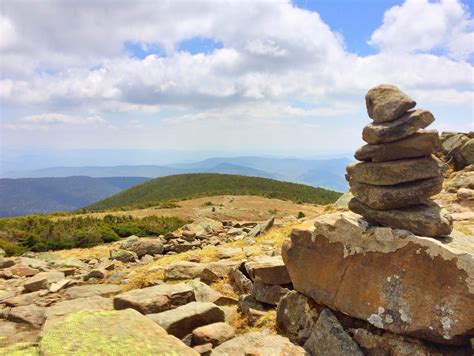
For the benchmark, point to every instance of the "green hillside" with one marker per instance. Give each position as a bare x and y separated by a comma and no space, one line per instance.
188,186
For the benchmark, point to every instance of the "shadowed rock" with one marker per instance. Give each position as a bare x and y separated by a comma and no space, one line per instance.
397,196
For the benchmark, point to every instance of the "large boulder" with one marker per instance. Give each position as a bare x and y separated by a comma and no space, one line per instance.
142,247
124,332
420,144
402,195
155,299
387,103
395,172
393,279
184,319
405,126
423,220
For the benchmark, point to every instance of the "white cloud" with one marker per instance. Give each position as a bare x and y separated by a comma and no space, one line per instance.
422,25
279,64
48,120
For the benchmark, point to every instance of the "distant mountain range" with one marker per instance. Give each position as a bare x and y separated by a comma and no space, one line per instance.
27,196
68,188
326,173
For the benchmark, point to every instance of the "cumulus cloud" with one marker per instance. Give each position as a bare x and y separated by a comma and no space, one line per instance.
422,25
277,62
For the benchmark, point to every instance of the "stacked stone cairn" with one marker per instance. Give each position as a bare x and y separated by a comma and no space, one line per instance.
398,175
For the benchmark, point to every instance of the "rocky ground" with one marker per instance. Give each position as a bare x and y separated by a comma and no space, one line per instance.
223,287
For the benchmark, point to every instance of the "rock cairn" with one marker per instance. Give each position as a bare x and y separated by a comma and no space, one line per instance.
398,174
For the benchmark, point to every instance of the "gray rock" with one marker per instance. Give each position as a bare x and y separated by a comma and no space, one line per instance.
155,299
182,270
228,252
405,126
23,299
420,144
241,282
97,273
465,194
30,314
143,247
270,294
204,293
397,196
123,255
396,172
90,290
329,338
42,280
296,316
215,271
421,220
387,103
184,319
95,303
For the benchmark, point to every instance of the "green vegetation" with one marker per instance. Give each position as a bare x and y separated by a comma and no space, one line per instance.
41,233
301,215
189,186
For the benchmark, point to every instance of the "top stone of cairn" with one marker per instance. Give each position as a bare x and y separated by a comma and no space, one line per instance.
387,103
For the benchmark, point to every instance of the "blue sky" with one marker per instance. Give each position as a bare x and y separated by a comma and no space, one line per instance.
258,77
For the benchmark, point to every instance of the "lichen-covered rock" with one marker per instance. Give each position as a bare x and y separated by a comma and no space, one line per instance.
405,126
402,195
124,256
396,172
110,333
391,278
387,103
184,319
20,349
155,299
296,316
328,337
420,144
422,220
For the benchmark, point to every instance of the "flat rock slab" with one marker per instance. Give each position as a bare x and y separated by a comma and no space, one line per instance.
269,294
155,299
184,319
29,314
12,332
90,290
268,270
182,270
329,338
397,196
421,143
81,304
405,126
422,220
215,334
237,345
396,172
42,280
387,103
393,279
111,333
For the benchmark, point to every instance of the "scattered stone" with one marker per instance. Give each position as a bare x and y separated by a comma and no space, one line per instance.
228,252
274,345
182,270
375,274
70,263
420,144
203,226
261,228
146,259
241,282
30,314
237,345
184,319
90,290
6,263
124,332
254,309
97,273
203,350
215,333
296,316
155,299
397,196
270,294
329,338
268,270
215,271
23,299
405,126
33,263
465,194
142,247
6,294
421,220
396,172
194,257
57,286
387,103
42,280
204,293
23,271
123,255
